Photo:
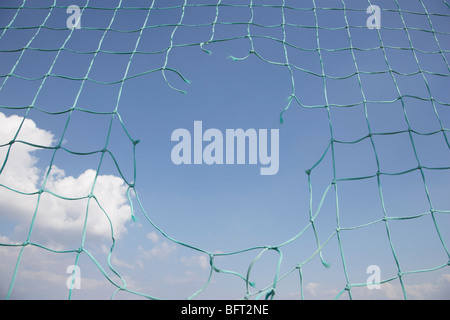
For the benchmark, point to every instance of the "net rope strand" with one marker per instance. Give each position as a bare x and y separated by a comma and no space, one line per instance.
250,290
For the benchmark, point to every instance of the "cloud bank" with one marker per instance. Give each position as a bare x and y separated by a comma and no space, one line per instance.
55,217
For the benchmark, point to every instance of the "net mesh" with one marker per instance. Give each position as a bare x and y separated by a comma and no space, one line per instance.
395,10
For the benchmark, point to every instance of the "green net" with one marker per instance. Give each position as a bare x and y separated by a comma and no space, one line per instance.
25,23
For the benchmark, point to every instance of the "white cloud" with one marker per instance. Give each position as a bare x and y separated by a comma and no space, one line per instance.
59,222
153,236
187,277
319,291
201,261
121,263
160,250
110,191
431,290
20,171
440,289
312,288
43,275
55,217
5,239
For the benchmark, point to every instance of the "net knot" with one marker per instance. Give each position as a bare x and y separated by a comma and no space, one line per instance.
211,260
270,294
123,288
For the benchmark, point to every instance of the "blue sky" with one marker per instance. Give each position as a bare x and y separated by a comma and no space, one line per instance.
225,208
